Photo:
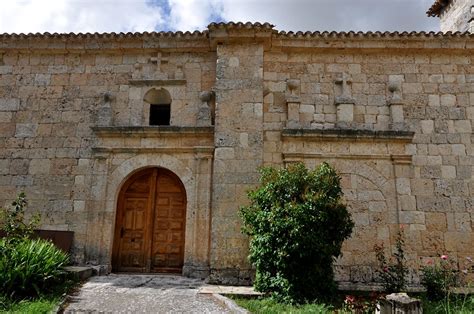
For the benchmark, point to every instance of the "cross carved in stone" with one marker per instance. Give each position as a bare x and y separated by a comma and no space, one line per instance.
344,80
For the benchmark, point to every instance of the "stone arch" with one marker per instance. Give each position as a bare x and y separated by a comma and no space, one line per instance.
125,170
159,100
158,96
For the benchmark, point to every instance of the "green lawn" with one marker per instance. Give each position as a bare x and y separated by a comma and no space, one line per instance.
456,305
268,306
40,306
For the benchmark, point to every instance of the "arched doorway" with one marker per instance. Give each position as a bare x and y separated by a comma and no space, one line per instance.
150,223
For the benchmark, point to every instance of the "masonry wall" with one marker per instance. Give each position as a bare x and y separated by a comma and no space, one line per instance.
421,182
393,114
50,101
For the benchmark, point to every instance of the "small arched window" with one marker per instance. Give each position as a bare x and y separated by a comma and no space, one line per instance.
160,106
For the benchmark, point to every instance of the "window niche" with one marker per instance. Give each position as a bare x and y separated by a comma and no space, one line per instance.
160,106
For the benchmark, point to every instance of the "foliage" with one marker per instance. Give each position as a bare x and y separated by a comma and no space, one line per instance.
393,274
360,304
297,224
39,306
269,306
29,267
13,222
441,275
454,304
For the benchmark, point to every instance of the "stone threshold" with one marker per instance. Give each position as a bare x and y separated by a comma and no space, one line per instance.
152,131
229,290
354,134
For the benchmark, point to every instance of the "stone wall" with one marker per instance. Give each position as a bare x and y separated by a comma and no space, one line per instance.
458,16
411,167
55,90
392,112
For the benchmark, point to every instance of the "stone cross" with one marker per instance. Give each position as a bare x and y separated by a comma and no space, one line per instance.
344,80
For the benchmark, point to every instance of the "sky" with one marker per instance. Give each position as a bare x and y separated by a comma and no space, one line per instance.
63,16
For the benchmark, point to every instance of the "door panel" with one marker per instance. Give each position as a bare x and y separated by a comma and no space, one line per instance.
149,234
169,227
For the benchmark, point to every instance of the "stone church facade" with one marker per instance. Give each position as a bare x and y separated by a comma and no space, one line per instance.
144,144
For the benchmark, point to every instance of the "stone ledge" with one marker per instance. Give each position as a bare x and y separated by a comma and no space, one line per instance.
206,151
157,82
152,131
343,134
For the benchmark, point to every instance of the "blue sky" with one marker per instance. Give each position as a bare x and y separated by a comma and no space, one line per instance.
17,16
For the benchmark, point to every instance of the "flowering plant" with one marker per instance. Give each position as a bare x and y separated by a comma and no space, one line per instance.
393,272
439,276
361,304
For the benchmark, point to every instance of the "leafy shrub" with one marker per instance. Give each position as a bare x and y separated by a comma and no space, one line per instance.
393,274
439,277
29,268
297,224
12,219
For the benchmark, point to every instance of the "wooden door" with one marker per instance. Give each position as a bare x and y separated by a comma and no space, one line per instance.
150,226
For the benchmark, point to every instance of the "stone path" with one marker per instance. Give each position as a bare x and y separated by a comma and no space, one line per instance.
142,294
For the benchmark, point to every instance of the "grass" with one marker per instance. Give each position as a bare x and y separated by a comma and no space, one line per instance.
40,306
268,306
43,304
457,305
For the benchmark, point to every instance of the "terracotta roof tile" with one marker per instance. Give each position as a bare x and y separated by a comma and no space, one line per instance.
238,25
438,5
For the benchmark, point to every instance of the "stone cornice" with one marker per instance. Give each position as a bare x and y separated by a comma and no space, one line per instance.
153,131
344,134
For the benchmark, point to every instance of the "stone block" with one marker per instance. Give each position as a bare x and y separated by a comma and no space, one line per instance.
9,104
345,113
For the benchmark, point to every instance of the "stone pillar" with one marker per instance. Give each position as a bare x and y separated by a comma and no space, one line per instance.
238,154
344,102
104,113
293,103
395,103
204,117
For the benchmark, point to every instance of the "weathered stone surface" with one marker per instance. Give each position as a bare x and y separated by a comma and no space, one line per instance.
400,135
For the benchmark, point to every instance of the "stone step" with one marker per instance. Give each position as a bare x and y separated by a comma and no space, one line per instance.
80,272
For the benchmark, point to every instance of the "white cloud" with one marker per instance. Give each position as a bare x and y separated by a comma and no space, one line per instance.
24,16
142,15
189,15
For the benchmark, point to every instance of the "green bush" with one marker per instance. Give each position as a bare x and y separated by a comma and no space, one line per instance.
29,268
12,219
439,277
296,223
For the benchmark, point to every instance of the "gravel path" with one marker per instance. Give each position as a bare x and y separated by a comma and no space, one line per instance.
142,294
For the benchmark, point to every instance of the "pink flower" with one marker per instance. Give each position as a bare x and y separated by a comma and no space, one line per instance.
469,258
444,257
350,298
385,269
429,262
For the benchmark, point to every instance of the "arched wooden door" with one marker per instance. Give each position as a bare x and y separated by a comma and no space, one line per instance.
150,224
